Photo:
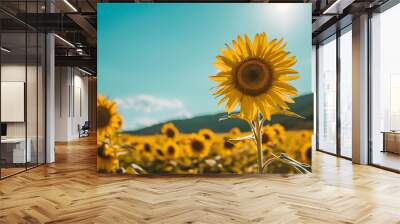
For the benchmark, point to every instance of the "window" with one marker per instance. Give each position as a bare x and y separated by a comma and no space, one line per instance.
327,96
385,89
346,93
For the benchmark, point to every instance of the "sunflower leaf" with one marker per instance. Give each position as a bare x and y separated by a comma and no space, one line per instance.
230,116
247,137
291,114
138,169
301,167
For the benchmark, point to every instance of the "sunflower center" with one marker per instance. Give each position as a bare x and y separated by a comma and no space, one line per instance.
171,150
197,146
207,137
252,77
147,147
308,153
228,145
170,133
265,138
103,117
101,152
159,152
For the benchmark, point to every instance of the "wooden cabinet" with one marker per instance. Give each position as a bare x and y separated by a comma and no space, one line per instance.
391,142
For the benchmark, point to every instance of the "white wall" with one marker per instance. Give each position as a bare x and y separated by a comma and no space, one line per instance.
71,102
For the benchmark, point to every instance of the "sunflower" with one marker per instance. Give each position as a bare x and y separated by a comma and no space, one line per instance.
171,150
208,134
106,159
227,148
127,141
255,76
105,151
279,130
159,153
268,136
108,119
198,147
306,152
234,132
306,135
109,165
170,130
147,150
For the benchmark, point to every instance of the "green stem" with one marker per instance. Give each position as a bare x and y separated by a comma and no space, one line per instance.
258,138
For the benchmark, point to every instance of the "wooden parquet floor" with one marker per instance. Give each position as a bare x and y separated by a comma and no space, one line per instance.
70,191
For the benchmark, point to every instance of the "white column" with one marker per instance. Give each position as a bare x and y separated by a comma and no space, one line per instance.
360,90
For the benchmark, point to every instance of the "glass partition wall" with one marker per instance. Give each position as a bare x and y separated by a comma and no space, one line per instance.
346,95
334,93
327,95
385,89
22,77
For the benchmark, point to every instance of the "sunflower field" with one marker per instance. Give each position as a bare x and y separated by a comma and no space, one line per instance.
203,152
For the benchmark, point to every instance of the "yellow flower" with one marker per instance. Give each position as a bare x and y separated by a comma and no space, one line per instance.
108,119
306,135
124,140
171,150
106,159
105,151
147,150
159,154
268,136
227,148
107,165
198,146
234,132
306,152
278,129
208,134
170,130
255,76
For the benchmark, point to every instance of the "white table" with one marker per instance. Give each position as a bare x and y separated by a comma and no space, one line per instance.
18,144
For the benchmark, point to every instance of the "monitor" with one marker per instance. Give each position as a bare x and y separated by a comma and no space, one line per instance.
3,129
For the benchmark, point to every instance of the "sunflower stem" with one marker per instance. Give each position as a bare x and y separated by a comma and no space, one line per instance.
258,139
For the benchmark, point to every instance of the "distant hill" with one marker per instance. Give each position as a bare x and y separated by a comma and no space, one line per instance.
303,107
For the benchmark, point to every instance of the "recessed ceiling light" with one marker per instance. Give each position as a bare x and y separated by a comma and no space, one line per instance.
5,50
84,71
70,5
337,7
64,40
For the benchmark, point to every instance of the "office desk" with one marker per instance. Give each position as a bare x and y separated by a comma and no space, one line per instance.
391,141
13,150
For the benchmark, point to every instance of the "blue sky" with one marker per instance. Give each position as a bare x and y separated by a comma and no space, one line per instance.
155,59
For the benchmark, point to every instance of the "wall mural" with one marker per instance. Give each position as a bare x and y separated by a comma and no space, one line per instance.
204,88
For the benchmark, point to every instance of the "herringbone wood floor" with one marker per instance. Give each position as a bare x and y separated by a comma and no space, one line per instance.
70,191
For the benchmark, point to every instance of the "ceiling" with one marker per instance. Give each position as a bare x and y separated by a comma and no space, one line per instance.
75,22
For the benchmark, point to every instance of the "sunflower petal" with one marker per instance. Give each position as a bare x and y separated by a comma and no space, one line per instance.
285,78
249,46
